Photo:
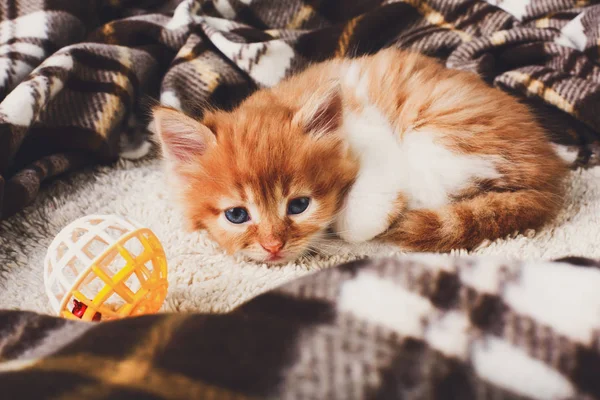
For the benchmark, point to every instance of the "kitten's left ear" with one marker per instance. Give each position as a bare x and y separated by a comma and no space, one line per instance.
183,139
322,113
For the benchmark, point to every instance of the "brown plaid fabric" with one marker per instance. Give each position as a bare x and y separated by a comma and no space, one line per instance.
421,327
76,76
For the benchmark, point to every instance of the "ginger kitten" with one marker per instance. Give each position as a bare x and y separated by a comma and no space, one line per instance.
392,147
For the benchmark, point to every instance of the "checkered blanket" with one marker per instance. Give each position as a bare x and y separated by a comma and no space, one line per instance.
76,76
422,327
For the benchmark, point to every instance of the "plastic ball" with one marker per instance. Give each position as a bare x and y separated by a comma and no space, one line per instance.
104,267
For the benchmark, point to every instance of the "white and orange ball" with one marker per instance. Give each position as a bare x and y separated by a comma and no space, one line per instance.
103,267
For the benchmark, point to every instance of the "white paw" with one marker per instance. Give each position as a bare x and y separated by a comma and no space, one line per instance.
359,222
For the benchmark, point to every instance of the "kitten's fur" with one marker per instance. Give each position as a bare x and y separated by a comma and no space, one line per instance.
391,146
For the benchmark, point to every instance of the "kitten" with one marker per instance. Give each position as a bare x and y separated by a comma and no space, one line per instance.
392,147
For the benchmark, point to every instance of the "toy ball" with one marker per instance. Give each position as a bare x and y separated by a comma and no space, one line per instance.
104,267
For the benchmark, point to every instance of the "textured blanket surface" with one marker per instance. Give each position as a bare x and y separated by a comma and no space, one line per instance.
201,276
419,327
74,74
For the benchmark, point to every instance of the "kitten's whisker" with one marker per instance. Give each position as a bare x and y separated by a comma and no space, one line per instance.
324,246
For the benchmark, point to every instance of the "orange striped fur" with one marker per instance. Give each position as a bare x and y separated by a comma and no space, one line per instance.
316,135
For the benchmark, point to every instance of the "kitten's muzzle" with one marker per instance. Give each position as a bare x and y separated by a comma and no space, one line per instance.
273,246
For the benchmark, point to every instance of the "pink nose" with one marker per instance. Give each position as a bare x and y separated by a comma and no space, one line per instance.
273,246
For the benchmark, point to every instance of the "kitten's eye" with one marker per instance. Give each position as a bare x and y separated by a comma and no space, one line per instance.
237,215
298,206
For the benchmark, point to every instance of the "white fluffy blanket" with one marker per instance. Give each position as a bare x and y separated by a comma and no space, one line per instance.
201,276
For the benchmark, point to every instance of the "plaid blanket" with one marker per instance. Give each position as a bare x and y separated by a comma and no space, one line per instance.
76,76
422,327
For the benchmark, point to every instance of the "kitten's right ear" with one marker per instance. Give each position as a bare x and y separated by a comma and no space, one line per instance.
322,113
182,138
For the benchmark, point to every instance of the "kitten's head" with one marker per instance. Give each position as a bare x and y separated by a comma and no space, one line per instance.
265,180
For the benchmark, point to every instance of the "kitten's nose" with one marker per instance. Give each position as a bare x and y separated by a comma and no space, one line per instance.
273,246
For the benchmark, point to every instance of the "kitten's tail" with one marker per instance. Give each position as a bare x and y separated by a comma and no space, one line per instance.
467,223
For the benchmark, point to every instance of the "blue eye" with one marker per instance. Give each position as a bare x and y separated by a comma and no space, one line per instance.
237,215
298,206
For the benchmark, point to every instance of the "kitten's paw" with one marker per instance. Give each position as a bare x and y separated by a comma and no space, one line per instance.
356,225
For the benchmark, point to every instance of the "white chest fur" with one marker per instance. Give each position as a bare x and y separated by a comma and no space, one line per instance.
417,166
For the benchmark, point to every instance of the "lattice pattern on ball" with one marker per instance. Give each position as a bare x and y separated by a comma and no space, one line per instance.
111,265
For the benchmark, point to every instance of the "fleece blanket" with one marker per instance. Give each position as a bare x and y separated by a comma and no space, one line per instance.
202,278
421,327
74,75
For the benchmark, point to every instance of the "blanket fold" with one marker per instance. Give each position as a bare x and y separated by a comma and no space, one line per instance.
418,327
75,77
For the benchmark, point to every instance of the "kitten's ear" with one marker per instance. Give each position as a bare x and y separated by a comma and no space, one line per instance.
322,113
182,138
